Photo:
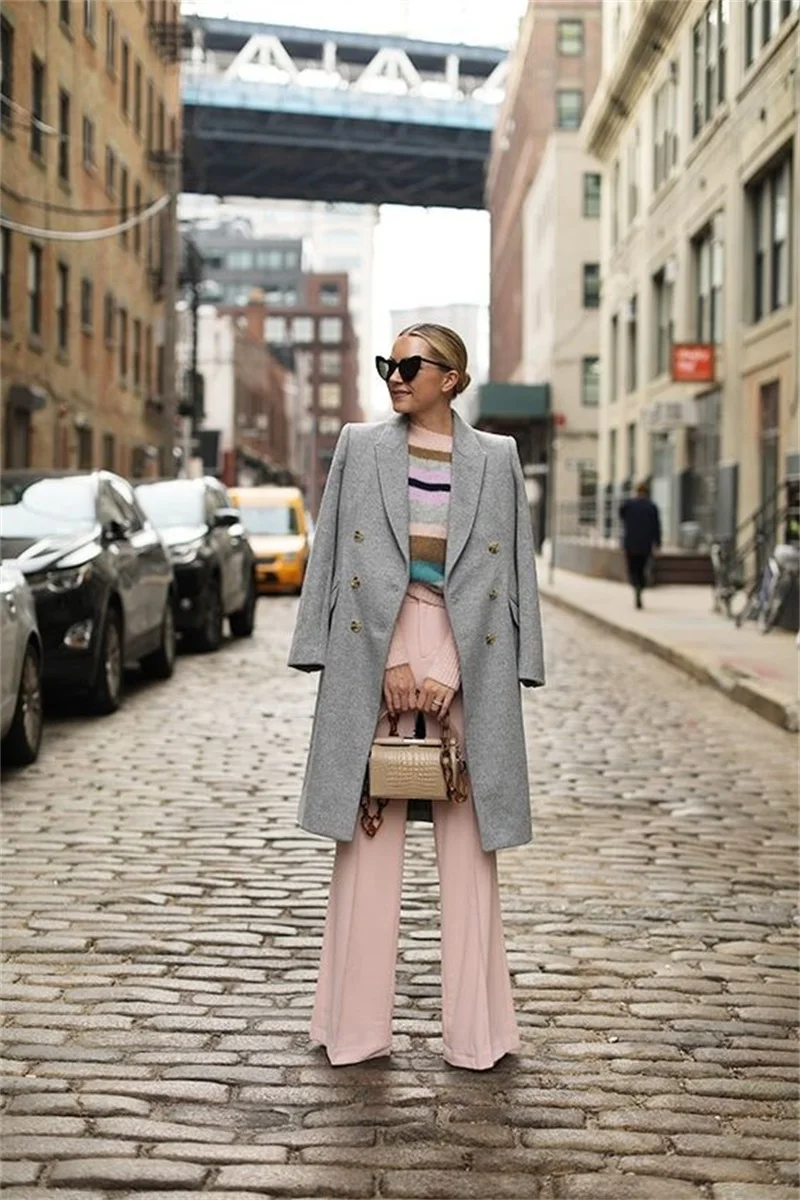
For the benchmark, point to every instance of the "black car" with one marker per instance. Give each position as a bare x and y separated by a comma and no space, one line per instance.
213,560
100,575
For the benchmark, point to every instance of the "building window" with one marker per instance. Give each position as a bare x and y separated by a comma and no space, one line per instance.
591,285
631,472
665,132
83,434
330,330
137,354
330,294
88,144
6,73
35,290
275,332
125,77
613,355
329,426
616,175
90,19
708,272
108,319
5,275
632,363
137,229
147,380
709,62
123,203
37,106
87,305
303,330
330,364
239,260
633,176
109,455
111,172
111,42
591,194
612,456
161,128
569,108
590,381
62,307
64,13
137,97
63,135
587,493
664,301
123,344
770,201
290,298
570,38
330,396
763,19
149,116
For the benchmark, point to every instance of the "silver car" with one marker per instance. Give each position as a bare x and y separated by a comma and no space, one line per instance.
21,726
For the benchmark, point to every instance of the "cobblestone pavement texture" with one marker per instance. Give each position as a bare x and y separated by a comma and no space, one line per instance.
163,921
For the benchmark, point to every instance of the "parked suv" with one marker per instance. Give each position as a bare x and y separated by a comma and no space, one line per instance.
100,576
212,558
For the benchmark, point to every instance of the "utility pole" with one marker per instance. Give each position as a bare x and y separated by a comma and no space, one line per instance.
169,253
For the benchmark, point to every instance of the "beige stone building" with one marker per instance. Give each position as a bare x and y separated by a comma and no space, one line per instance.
560,306
696,123
89,123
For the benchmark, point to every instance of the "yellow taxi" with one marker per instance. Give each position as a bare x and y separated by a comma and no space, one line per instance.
277,527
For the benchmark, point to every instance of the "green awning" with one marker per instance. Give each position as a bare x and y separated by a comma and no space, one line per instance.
513,401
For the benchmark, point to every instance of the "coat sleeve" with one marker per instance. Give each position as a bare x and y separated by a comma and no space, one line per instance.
310,641
530,666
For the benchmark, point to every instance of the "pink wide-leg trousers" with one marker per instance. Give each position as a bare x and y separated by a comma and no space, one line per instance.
352,1014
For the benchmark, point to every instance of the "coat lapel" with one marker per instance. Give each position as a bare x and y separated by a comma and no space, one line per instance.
391,451
469,464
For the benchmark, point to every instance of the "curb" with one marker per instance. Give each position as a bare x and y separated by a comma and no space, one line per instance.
763,703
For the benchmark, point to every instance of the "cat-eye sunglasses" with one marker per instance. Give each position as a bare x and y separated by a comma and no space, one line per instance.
408,368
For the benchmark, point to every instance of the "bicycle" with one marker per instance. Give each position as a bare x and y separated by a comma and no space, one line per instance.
729,579
767,598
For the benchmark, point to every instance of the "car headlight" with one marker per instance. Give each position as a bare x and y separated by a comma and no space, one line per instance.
61,580
185,554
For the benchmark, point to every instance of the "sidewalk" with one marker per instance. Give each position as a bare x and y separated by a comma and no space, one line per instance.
756,670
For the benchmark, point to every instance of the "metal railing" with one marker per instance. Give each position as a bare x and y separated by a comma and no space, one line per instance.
591,519
739,560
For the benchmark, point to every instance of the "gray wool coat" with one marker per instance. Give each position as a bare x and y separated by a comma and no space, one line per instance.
356,581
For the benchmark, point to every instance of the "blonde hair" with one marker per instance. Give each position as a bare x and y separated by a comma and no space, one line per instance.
448,347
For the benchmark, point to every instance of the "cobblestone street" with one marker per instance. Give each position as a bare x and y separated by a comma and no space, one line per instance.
163,921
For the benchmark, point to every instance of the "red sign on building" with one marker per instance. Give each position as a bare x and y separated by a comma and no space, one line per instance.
692,362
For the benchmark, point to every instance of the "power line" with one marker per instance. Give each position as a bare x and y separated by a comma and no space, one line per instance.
87,235
65,208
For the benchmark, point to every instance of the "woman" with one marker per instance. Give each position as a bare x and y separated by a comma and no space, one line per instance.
420,598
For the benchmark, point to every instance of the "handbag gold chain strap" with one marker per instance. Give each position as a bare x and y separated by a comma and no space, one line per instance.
457,788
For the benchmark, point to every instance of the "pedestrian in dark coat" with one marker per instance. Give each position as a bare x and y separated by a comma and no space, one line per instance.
642,534
420,599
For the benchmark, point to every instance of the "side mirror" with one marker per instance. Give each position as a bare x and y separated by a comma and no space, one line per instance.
224,518
114,531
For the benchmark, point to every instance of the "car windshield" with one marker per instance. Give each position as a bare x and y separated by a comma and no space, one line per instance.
171,504
47,507
274,518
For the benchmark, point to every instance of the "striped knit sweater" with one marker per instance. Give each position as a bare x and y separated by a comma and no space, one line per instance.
430,457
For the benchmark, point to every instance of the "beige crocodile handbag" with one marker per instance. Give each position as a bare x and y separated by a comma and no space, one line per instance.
402,768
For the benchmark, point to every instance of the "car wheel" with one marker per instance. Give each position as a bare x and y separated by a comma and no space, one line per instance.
106,693
209,636
21,743
243,622
161,663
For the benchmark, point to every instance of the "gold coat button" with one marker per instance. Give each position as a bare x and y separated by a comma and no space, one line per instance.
355,626
494,547
493,594
355,582
491,638
358,536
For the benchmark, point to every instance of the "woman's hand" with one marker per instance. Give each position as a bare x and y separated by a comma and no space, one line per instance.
400,689
435,698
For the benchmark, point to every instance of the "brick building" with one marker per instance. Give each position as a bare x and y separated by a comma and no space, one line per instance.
90,120
554,72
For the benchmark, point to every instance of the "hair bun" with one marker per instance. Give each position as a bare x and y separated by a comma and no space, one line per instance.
464,381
